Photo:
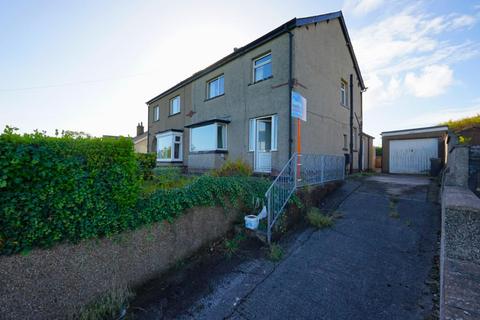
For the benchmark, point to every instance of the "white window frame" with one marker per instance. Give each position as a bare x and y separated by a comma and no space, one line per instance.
344,93
252,133
172,134
179,105
210,82
156,113
216,124
261,65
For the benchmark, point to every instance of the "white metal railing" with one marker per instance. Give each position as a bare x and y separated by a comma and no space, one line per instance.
318,169
300,170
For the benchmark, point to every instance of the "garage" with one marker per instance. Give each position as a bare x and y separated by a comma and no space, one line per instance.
409,151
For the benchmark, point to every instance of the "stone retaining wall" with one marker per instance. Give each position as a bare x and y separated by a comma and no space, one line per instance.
54,283
460,242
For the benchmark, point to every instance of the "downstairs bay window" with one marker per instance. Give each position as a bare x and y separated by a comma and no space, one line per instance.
169,146
211,136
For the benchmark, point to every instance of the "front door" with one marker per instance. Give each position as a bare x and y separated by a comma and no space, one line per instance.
263,145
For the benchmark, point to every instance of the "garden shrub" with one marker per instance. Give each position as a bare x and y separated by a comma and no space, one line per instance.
53,189
233,168
146,163
166,178
69,189
205,191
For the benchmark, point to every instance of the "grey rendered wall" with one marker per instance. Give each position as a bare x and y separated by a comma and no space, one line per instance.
166,121
242,100
322,59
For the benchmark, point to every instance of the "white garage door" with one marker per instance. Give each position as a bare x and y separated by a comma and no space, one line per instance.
413,155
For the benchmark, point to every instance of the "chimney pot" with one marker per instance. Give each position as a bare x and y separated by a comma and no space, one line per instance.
140,129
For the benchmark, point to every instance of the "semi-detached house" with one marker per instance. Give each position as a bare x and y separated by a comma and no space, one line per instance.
239,107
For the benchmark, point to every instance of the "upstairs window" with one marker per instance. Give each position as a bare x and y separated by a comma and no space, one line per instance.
343,93
175,105
169,146
209,137
215,87
345,142
262,68
156,113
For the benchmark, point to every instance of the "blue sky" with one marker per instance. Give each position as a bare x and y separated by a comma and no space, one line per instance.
91,65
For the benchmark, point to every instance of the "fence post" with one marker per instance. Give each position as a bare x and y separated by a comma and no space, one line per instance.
269,213
322,168
295,168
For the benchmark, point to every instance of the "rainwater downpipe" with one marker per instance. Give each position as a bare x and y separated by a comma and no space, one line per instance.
351,123
290,88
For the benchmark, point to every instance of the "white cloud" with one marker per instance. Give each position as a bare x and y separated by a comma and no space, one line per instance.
432,81
401,53
361,7
381,92
462,21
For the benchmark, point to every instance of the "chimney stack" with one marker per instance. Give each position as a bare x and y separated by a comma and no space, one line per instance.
140,129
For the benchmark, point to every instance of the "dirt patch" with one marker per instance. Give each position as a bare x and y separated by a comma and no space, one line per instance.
177,290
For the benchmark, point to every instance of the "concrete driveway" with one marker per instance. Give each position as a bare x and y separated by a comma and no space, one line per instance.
377,262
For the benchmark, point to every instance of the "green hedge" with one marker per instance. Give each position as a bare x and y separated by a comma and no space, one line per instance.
68,189
53,189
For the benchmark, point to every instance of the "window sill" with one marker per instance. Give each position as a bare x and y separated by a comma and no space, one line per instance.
345,106
169,161
209,151
213,98
260,81
174,114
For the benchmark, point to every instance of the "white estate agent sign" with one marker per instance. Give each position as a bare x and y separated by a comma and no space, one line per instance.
299,106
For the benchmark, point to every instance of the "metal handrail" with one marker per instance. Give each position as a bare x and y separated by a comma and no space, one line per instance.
280,192
313,169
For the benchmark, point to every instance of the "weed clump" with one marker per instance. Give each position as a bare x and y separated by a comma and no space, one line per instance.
110,306
319,220
275,253
232,245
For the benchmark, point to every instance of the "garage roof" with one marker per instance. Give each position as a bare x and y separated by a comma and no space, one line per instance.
414,131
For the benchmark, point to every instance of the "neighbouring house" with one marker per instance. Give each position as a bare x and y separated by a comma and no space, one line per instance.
410,150
239,107
140,140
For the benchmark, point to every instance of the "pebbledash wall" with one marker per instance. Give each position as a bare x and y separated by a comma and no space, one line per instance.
320,61
55,283
460,241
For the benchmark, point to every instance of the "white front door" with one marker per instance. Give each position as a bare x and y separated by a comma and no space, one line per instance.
413,155
263,145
